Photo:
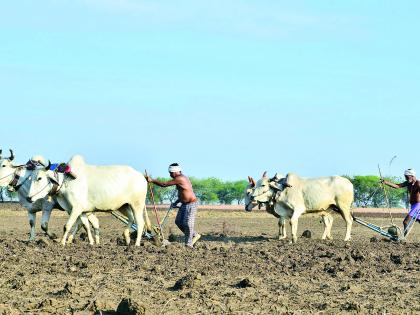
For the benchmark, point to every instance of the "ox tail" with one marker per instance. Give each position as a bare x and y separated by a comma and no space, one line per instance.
339,211
335,209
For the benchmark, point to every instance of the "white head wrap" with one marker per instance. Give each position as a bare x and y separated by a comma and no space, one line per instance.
410,172
174,169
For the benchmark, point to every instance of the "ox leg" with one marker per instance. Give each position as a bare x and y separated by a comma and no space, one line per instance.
74,215
76,228
86,224
349,221
330,220
129,213
138,216
282,228
294,224
344,204
46,214
327,220
32,220
95,224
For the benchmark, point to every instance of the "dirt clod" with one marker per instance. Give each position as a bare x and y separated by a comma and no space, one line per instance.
171,238
351,306
128,306
396,259
357,255
188,282
307,234
245,283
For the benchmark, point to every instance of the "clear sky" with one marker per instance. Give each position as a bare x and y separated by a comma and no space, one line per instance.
225,88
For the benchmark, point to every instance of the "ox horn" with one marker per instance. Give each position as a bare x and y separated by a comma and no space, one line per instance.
252,181
0,153
12,156
264,174
47,168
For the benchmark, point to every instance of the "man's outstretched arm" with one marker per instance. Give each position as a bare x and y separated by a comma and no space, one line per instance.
162,184
401,185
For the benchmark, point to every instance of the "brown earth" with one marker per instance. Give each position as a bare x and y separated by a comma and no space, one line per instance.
238,267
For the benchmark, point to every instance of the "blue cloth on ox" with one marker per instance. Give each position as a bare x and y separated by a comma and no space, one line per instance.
54,166
60,168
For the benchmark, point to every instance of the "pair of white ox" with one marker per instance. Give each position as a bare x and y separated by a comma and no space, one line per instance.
96,188
291,196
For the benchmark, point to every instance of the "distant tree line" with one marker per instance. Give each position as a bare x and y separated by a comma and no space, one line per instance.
209,190
367,192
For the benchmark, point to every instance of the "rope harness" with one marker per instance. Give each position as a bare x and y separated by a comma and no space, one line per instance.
54,189
15,180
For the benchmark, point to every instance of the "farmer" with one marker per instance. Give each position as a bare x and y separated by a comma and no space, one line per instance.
413,187
186,202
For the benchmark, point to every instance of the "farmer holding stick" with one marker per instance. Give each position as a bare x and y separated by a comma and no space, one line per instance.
186,202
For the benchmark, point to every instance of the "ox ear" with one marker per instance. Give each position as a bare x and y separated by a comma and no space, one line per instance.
251,181
276,186
277,177
253,184
52,178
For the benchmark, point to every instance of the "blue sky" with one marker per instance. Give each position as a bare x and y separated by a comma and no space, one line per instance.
225,88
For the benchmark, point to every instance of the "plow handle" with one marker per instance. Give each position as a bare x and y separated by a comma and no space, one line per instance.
152,195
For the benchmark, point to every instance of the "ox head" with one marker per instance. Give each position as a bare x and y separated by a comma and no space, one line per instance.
41,183
262,191
249,203
266,188
7,169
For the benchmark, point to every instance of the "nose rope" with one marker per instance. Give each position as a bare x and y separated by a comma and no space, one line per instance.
30,197
21,184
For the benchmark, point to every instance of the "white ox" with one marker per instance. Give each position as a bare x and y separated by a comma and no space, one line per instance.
293,196
96,188
14,177
250,204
